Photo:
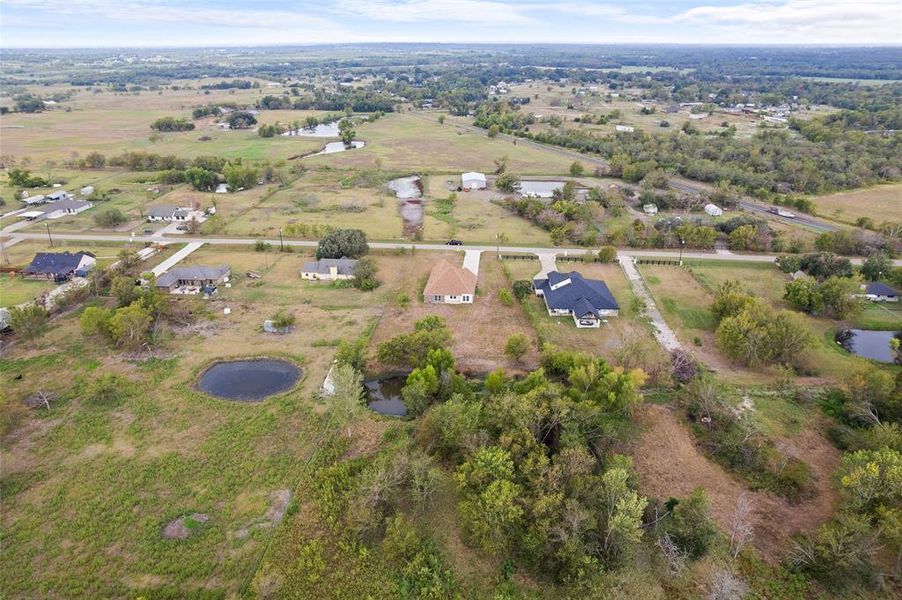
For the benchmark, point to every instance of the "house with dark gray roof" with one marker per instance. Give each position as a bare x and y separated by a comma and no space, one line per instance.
329,269
588,301
161,212
59,266
880,292
195,279
55,210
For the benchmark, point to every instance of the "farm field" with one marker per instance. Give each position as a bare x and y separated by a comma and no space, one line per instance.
880,204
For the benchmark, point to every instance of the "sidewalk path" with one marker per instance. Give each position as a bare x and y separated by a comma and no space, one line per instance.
664,334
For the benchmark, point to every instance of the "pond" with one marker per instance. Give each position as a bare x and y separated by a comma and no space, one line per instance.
249,380
384,396
409,192
540,189
868,343
321,130
333,147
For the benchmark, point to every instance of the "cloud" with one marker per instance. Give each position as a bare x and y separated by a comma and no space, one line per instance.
810,21
161,11
410,11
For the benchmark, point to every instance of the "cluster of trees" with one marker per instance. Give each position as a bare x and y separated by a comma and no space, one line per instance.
308,230
868,528
753,334
565,219
240,119
23,178
171,124
234,84
28,103
209,110
834,296
820,265
131,324
770,163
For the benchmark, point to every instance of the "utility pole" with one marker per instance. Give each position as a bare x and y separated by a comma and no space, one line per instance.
281,241
682,243
50,237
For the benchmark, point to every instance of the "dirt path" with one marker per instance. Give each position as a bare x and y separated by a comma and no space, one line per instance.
669,464
663,333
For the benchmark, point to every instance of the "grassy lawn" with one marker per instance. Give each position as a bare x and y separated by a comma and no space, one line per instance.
419,144
879,315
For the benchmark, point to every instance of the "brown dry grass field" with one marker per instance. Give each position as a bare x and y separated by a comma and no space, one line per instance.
480,329
880,204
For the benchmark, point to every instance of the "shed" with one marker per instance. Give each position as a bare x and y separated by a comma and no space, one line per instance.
713,210
472,181
650,209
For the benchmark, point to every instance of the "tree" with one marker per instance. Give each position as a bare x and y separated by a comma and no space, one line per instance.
365,275
517,345
576,169
283,319
341,243
730,298
240,176
804,294
690,525
110,217
621,516
352,353
507,183
346,131
744,238
171,124
607,254
841,552
95,160
201,179
28,321
741,528
840,295
494,130
241,120
130,326
876,265
441,119
346,401
124,289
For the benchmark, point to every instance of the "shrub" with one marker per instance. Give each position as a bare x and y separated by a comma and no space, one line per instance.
607,254
505,297
690,525
522,289
28,321
110,217
365,275
517,345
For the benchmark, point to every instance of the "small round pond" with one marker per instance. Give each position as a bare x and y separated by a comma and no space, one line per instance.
384,396
866,343
249,380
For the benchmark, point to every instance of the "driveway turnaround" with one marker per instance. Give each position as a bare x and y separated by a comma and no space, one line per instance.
663,333
547,260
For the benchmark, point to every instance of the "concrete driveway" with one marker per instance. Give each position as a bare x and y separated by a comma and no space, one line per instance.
663,333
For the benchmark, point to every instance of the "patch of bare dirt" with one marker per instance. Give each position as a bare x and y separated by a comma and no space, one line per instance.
181,528
669,465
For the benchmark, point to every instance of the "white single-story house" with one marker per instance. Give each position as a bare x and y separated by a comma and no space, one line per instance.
329,269
472,181
588,301
625,128
193,280
650,209
161,212
879,292
450,285
65,207
713,210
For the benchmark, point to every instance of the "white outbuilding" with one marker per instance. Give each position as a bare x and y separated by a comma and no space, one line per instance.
650,209
472,181
713,210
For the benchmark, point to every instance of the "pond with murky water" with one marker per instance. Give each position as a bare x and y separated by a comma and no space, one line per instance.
384,396
870,344
409,192
333,147
249,380
321,130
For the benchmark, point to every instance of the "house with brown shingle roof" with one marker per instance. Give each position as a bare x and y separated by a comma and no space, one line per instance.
450,285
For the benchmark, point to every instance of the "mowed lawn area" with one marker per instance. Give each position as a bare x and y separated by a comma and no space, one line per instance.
880,204
623,340
685,298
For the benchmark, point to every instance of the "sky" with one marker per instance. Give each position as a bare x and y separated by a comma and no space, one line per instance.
155,23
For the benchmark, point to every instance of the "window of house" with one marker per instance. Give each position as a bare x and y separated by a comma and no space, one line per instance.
466,298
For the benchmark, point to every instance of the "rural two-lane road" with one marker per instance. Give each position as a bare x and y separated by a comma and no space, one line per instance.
559,251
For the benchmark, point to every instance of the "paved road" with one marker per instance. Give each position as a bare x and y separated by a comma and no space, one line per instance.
662,254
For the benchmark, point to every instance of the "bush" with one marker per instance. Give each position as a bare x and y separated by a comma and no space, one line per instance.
517,345
365,275
28,321
840,554
522,289
505,297
607,254
110,217
690,525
